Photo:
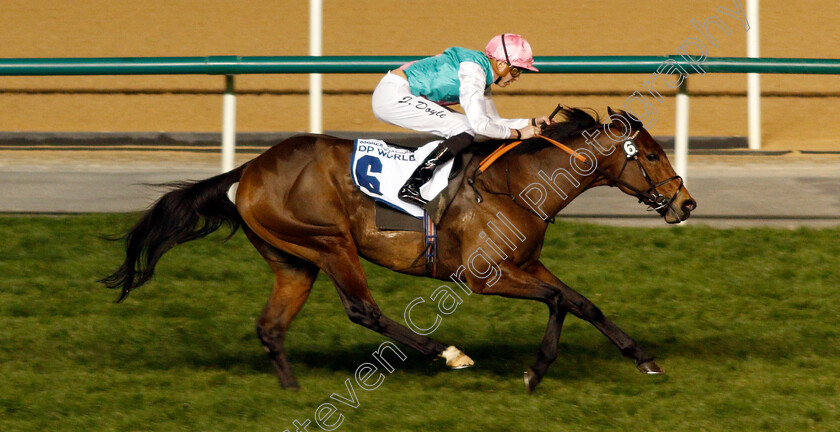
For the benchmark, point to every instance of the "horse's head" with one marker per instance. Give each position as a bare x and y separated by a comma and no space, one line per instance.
638,166
619,153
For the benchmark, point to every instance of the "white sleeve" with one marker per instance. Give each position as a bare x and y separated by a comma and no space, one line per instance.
494,114
478,105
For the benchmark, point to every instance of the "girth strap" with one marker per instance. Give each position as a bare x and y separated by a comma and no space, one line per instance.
430,232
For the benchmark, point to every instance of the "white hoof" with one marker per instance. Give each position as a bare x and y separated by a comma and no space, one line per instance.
456,359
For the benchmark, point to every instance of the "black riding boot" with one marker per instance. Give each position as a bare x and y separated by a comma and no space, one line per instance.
410,192
445,151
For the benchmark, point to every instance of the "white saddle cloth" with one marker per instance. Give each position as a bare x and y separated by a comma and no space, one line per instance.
380,170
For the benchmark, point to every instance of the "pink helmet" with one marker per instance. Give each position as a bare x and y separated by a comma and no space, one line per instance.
512,49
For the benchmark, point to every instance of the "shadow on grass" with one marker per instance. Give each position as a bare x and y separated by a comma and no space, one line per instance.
575,360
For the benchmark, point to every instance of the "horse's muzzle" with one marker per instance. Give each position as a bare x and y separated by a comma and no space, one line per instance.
679,211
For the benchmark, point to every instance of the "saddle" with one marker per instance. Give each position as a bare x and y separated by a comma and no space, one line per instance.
390,219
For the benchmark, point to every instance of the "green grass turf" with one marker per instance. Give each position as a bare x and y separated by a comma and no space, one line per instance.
743,321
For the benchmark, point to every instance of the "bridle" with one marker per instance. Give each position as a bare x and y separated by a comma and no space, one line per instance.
654,199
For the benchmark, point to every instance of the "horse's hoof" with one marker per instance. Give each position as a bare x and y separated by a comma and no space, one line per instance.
650,367
289,384
456,359
285,376
531,380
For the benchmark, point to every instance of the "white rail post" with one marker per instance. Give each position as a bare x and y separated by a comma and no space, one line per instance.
681,133
228,125
753,79
315,82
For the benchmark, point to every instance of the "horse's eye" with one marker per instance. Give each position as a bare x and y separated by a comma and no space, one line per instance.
653,157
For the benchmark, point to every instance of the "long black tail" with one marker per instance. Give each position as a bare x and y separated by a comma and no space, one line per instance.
189,211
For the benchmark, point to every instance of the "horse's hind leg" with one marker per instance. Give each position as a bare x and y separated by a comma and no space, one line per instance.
584,309
342,265
337,257
293,279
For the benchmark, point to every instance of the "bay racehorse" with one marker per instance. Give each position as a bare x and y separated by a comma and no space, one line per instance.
298,206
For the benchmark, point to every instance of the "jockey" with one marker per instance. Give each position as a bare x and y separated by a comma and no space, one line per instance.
414,97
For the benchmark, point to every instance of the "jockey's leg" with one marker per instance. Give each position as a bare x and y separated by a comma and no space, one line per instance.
445,151
393,103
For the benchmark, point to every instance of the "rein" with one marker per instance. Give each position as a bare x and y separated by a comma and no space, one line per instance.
652,197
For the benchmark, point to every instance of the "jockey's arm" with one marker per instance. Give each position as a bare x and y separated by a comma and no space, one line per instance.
490,106
478,106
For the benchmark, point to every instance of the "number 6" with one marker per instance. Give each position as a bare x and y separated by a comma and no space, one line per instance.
630,149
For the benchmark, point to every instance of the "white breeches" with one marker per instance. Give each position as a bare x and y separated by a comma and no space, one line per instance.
393,103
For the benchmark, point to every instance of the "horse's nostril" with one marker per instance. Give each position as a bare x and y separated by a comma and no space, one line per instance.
689,205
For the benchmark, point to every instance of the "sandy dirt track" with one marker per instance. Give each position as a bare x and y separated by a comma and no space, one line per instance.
798,112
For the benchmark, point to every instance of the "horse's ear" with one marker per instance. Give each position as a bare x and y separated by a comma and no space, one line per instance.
610,111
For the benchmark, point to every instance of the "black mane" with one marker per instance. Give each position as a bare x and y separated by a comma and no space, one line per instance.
572,122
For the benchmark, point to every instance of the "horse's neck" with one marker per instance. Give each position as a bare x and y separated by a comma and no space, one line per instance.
555,173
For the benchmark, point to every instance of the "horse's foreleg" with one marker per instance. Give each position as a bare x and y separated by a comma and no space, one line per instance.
548,348
583,308
515,283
